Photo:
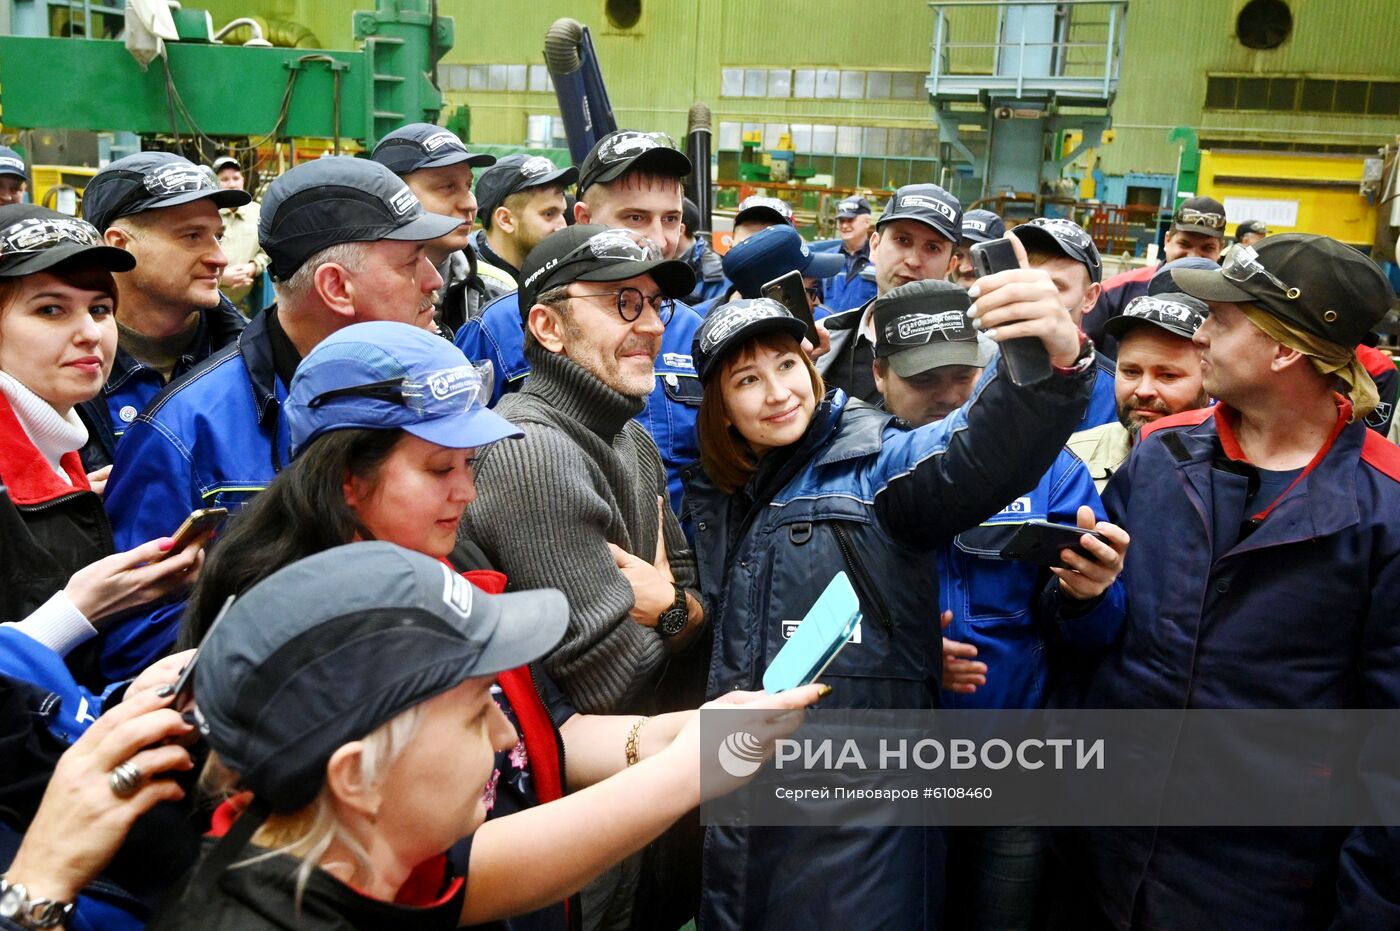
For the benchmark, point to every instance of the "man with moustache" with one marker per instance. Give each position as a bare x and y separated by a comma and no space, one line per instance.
977,226
347,242
1159,374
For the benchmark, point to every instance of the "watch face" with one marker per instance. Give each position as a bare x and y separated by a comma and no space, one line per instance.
672,621
12,901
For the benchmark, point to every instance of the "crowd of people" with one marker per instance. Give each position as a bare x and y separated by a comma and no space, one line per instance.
509,505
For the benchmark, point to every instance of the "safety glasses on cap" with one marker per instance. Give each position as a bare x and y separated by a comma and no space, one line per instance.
446,391
615,244
1192,217
772,203
1240,264
739,315
1156,308
37,235
918,329
629,144
178,179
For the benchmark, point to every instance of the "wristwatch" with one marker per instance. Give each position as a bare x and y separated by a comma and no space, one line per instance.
39,913
673,620
1082,362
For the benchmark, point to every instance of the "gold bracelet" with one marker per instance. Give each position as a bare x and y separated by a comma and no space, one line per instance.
631,748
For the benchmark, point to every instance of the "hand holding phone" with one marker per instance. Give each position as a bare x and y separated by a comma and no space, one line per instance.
1040,542
825,629
1027,362
197,529
790,291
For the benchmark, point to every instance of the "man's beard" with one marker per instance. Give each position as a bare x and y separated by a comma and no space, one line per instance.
1134,424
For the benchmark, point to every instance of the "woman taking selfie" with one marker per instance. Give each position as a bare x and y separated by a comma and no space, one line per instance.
385,420
798,483
59,578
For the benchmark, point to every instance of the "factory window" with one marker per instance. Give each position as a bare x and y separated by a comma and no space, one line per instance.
452,77
540,80
821,84
827,140
1357,96
495,78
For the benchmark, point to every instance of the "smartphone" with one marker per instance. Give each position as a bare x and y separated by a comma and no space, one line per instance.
1027,362
197,529
825,629
184,685
790,291
1040,542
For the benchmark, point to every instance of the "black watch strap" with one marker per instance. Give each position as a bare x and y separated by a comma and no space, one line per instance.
675,618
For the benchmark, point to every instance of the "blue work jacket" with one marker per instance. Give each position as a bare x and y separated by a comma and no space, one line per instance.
863,494
854,285
214,438
1299,613
1012,611
669,416
1103,407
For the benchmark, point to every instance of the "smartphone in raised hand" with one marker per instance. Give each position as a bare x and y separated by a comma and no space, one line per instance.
1027,362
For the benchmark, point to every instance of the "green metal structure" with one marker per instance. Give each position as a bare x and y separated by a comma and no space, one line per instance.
215,90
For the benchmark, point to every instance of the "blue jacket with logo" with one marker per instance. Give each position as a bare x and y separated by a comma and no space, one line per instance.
212,439
1300,613
670,413
854,285
132,385
1012,611
861,494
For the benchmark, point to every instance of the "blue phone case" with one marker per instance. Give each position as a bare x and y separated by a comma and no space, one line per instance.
818,638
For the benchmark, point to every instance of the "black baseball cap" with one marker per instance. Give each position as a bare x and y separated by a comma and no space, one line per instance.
1315,283
1162,282
626,150
516,173
328,201
923,325
327,649
590,252
852,207
1053,234
12,164
1204,215
423,145
773,252
729,326
930,205
33,239
982,226
151,181
1256,227
1179,314
764,209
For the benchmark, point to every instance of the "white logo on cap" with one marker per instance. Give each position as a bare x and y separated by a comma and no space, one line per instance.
8,162
456,592
914,325
534,276
536,165
438,140
734,321
978,225
928,203
453,382
403,201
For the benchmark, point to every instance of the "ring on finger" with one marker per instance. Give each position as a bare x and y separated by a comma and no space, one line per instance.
124,780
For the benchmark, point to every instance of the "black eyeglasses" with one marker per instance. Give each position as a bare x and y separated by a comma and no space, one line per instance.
630,302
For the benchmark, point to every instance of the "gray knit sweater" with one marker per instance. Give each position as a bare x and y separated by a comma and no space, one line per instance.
584,475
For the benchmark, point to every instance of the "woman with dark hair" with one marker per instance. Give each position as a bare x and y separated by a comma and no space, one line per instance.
385,422
59,577
798,483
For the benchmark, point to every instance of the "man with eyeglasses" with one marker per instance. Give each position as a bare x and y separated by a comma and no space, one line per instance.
630,180
1264,573
171,315
587,475
347,242
1198,229
578,503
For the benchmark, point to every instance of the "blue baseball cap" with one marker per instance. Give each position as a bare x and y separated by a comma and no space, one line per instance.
1162,282
772,252
982,226
423,145
11,163
151,181
382,375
